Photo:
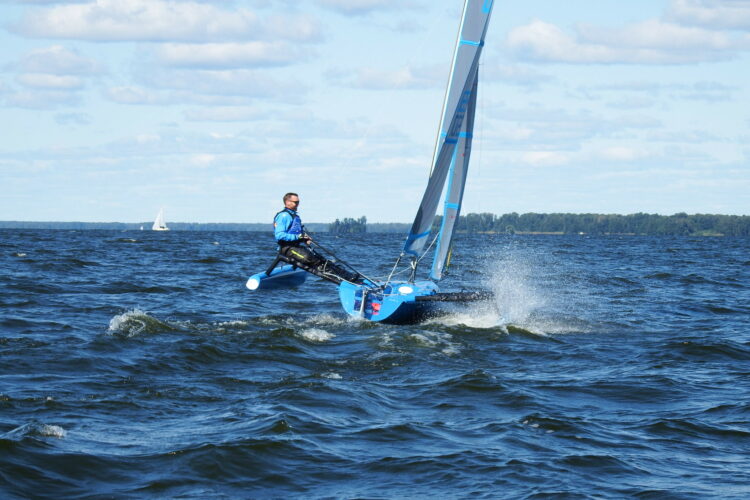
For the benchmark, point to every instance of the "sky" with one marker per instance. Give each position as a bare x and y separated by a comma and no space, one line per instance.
113,109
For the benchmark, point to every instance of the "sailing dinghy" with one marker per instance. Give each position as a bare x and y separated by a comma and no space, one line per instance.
410,301
159,224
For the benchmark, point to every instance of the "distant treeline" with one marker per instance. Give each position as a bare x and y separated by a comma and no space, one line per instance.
348,226
135,226
640,223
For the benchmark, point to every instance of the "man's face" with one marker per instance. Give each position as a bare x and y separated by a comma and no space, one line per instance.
292,202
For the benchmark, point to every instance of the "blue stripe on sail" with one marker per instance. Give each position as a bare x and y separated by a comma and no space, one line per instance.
443,135
411,239
454,206
473,43
451,141
414,237
487,6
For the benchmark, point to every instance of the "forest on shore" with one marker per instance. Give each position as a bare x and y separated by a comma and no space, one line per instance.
680,224
636,224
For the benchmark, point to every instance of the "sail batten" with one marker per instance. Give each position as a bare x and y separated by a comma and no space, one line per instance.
454,137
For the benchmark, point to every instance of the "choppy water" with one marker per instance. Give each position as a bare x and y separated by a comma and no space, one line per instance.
136,365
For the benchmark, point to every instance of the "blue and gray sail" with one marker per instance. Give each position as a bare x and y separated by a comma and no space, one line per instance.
453,145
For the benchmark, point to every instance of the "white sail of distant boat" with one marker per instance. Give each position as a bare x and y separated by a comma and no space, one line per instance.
159,224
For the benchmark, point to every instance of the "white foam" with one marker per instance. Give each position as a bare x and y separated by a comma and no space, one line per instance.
316,335
234,323
130,323
325,319
52,431
332,376
518,300
422,340
515,297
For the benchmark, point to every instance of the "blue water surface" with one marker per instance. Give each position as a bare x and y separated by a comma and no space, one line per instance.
137,365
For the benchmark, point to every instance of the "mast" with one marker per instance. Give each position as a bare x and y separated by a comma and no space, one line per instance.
457,121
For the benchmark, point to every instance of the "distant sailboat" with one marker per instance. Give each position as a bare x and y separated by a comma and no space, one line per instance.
159,224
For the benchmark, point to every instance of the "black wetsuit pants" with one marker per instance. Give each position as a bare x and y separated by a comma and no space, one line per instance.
318,264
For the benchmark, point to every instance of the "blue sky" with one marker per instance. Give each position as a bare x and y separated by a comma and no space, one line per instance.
214,109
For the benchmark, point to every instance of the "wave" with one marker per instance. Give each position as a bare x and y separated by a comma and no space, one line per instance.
316,335
34,429
210,260
137,322
121,287
711,350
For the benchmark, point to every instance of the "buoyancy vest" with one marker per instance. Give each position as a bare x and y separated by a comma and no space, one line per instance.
294,228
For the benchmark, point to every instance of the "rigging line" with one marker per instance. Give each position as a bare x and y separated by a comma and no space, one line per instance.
429,247
415,261
394,268
338,259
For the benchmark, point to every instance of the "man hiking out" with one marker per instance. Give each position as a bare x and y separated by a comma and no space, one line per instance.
294,245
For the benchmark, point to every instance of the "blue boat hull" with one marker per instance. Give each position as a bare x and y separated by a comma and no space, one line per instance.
396,303
281,277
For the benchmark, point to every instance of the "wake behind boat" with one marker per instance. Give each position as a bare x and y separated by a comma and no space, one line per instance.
411,300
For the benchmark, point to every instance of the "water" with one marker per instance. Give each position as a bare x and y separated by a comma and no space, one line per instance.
136,365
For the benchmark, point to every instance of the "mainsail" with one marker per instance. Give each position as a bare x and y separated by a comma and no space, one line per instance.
454,138
455,191
159,224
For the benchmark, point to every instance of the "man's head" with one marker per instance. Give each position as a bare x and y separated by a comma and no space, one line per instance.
291,200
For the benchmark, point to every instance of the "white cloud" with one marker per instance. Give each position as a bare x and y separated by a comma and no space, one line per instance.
50,77
159,20
229,55
132,95
545,158
202,160
721,14
649,42
41,99
72,119
47,81
57,60
622,153
236,82
657,35
403,78
521,75
363,7
709,91
224,114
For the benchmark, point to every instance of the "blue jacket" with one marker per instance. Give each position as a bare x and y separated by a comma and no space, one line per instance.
287,225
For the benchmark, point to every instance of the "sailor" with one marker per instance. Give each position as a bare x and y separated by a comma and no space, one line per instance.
293,244
287,225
